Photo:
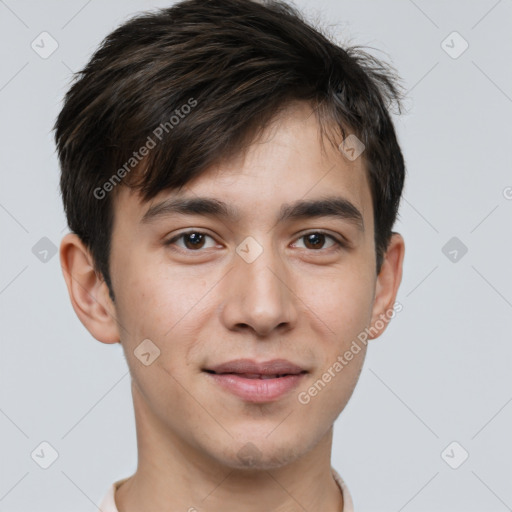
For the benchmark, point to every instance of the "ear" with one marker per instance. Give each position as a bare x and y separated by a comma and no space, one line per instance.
388,282
87,290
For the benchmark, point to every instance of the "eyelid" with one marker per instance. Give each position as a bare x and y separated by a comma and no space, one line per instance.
175,238
340,242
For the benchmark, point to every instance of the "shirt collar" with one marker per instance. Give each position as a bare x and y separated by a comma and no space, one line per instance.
108,503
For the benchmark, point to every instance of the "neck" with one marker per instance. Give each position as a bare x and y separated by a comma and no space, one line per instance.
172,475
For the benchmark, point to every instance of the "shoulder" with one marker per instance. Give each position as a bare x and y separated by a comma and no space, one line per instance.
348,505
108,503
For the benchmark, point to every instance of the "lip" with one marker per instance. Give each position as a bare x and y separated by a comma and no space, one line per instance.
271,367
244,378
257,390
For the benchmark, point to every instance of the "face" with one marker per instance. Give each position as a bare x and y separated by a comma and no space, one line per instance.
266,279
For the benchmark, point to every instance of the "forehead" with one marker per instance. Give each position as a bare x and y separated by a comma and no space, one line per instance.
288,162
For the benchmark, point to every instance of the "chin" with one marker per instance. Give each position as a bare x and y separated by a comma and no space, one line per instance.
260,453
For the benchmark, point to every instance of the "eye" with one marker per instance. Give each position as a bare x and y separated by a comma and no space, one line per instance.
316,239
192,240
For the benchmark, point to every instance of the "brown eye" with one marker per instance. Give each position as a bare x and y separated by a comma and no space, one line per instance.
192,241
316,241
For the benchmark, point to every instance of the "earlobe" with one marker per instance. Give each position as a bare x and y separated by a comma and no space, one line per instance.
87,290
388,282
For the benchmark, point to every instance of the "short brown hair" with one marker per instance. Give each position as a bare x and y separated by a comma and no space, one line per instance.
234,64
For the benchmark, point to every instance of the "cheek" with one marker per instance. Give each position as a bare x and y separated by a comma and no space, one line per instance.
328,391
342,301
154,298
156,307
165,307
343,307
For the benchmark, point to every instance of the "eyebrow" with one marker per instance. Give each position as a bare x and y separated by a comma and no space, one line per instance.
337,207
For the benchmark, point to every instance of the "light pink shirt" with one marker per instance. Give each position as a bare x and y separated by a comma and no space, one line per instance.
108,503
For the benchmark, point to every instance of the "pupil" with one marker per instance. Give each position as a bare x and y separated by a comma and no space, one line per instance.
195,239
315,239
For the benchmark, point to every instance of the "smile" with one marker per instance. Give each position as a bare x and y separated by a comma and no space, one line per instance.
257,388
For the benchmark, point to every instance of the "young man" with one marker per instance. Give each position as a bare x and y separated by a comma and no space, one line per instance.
231,179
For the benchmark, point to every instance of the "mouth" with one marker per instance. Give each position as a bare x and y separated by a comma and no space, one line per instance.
257,382
261,376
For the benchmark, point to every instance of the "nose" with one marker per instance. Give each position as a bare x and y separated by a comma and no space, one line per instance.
258,296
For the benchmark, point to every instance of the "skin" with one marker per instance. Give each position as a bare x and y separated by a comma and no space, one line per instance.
206,306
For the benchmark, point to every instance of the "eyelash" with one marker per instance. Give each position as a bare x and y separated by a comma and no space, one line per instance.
339,245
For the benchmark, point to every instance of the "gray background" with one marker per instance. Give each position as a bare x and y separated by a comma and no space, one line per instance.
441,372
